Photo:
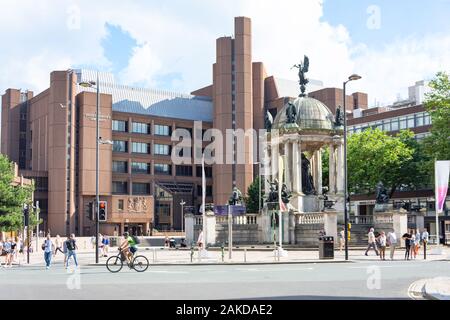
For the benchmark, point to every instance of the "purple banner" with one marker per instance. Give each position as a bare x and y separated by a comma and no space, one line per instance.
235,210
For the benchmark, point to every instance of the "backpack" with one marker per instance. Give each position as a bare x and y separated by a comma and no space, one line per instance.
136,239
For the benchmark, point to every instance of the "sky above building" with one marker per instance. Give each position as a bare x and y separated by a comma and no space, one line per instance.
171,44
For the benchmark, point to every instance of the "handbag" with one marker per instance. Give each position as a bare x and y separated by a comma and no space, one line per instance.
43,246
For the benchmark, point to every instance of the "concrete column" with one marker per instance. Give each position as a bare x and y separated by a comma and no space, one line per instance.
286,227
287,164
189,222
291,227
210,228
330,224
319,171
296,168
400,225
340,170
332,169
265,167
274,155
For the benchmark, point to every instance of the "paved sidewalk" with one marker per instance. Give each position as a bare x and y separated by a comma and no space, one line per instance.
437,288
165,256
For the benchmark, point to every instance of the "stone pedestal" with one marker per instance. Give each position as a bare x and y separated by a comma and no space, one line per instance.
330,223
400,224
264,226
189,221
311,203
291,227
286,227
210,238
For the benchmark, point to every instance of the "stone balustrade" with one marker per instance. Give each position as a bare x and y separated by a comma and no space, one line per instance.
310,218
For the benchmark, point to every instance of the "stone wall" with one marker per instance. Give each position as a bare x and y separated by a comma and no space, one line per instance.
242,234
307,235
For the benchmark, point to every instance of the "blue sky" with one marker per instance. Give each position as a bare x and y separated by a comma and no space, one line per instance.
171,44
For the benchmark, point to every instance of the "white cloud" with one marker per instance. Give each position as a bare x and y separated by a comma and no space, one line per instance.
177,37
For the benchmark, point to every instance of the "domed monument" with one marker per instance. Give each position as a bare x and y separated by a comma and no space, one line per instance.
301,130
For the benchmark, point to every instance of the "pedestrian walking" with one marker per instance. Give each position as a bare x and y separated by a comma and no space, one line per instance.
341,240
200,240
417,243
382,240
7,248
412,244
58,245
425,237
167,241
372,241
392,242
48,247
71,250
105,247
407,238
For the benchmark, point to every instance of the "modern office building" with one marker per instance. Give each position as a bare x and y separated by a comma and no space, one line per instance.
52,136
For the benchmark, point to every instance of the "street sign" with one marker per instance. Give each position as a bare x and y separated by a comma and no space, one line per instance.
237,210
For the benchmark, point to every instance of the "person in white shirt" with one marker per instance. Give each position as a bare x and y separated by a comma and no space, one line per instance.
371,241
200,240
48,247
392,241
425,237
341,240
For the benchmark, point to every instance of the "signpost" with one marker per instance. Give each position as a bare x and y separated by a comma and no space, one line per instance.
230,211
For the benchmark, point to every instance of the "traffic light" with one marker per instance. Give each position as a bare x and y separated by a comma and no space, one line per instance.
91,211
26,216
102,213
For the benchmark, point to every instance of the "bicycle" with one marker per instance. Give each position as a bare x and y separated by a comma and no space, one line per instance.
115,263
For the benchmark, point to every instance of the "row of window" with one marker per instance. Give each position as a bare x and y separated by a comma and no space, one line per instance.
142,188
160,168
394,124
142,147
140,127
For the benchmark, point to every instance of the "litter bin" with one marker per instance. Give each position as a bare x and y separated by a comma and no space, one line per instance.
326,247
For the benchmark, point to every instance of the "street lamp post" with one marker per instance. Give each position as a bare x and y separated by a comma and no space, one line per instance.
182,203
353,77
92,84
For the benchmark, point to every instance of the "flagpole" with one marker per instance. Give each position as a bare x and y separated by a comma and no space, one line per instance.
436,199
205,238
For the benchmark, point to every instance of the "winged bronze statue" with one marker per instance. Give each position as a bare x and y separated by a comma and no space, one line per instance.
303,67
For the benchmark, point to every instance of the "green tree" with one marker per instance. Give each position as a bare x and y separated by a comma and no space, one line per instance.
437,104
375,156
251,200
12,199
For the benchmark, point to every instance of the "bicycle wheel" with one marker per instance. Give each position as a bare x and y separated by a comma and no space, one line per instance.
114,264
140,263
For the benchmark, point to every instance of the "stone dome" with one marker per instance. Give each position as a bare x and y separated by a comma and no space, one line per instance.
311,114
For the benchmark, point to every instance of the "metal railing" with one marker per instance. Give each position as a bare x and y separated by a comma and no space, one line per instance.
310,218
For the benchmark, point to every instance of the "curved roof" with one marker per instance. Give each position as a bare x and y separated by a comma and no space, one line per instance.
311,114
149,101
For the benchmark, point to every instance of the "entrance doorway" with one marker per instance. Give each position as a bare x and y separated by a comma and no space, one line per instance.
134,229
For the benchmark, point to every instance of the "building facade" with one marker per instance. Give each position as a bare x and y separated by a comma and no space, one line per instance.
52,137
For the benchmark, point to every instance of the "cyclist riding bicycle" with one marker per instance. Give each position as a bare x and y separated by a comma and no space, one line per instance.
128,247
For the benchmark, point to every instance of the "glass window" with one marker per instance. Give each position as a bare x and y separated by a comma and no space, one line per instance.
419,119
161,168
403,124
411,121
140,147
161,130
120,146
394,124
120,204
184,171
387,125
161,149
119,125
163,209
141,188
120,166
120,187
426,119
140,167
208,171
139,127
379,125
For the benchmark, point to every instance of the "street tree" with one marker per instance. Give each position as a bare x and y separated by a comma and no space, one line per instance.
12,199
252,198
437,104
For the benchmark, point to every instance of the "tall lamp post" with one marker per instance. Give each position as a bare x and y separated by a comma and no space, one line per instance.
353,77
93,84
182,203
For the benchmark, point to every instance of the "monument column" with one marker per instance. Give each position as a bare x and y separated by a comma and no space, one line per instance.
340,169
287,164
296,168
332,170
319,171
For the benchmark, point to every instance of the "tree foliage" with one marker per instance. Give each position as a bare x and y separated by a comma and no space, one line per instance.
373,156
251,200
12,199
437,104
